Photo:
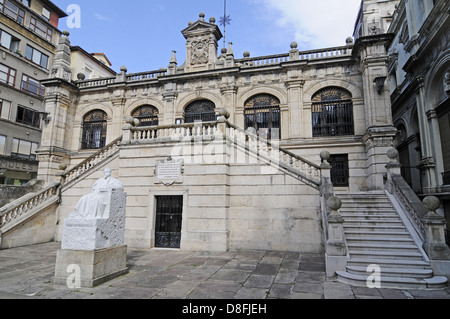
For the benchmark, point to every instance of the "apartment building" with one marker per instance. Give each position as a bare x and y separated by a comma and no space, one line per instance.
29,36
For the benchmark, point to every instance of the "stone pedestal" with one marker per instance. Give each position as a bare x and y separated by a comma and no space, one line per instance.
92,249
89,268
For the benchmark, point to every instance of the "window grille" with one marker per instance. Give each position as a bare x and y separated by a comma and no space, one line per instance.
94,130
147,115
262,113
201,110
332,113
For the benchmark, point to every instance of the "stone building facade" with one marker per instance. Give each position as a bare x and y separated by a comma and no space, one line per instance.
301,102
419,73
224,153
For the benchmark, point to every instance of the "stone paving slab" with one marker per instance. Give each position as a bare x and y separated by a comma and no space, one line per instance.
26,273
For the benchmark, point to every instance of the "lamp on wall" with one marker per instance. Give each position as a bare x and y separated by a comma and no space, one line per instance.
45,117
379,81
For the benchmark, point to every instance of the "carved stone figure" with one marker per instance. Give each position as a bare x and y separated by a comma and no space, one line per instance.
93,204
98,221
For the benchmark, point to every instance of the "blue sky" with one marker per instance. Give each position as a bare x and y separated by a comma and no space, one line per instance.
141,34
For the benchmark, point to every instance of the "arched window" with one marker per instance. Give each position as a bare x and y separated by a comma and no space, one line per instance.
94,130
332,113
147,115
200,110
262,113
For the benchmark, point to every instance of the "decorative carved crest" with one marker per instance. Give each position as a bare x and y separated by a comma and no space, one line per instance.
200,52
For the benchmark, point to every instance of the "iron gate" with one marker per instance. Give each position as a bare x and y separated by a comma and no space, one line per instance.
339,170
169,211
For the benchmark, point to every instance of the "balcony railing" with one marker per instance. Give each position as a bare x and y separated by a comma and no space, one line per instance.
328,53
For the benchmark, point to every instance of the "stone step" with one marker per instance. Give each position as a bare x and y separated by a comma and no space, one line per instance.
379,240
436,282
382,247
378,229
393,272
395,255
367,210
369,223
392,263
373,218
385,235
360,208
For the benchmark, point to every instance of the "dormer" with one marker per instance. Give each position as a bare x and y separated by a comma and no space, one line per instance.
202,44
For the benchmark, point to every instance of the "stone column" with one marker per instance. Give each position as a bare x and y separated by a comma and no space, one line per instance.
427,163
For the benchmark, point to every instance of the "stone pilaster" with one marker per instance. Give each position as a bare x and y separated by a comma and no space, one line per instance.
58,106
380,132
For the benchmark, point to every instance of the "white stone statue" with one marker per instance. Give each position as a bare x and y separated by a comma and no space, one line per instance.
98,221
93,204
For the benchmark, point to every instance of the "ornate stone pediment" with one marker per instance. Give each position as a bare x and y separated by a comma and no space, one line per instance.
202,28
202,43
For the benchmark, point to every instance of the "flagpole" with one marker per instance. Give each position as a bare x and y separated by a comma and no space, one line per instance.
225,22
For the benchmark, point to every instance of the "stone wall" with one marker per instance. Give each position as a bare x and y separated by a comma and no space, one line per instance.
11,193
227,204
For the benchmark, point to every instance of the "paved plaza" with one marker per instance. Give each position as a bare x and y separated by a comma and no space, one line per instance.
26,273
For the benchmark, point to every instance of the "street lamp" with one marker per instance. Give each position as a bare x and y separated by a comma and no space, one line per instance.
379,81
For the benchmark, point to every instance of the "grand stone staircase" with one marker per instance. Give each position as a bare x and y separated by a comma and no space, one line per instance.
377,235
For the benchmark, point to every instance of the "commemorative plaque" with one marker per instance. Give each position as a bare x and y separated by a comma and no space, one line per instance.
169,171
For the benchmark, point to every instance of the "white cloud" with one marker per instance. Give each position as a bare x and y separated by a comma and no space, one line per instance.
101,17
314,24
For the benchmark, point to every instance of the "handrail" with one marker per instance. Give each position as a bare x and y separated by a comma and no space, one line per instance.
91,161
271,145
410,202
22,206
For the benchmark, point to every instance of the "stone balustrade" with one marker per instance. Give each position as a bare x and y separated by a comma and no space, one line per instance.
302,168
92,161
326,53
173,132
269,60
146,75
96,82
264,60
23,206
